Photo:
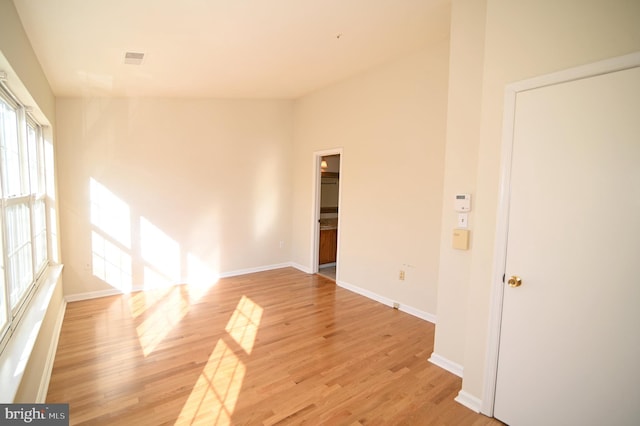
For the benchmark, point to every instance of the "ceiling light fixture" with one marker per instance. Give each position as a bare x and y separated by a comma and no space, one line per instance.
133,58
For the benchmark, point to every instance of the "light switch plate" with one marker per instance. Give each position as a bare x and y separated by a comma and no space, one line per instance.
463,218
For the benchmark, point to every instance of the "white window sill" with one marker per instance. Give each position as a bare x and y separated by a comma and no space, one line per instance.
16,354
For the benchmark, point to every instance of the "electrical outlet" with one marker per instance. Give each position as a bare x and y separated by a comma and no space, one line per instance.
396,305
401,277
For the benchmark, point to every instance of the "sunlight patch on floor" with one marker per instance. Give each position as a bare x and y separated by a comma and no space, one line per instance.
167,313
141,301
244,323
215,394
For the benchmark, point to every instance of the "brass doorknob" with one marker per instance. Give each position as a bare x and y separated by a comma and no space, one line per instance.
514,281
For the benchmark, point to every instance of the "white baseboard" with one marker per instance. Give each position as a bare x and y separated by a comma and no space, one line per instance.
389,302
254,270
91,295
369,294
300,267
51,356
450,366
469,401
113,292
418,313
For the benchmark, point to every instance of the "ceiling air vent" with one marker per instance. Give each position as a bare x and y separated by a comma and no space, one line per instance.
133,58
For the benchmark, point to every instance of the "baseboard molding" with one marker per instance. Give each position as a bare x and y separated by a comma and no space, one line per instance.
418,313
254,270
389,302
469,401
426,316
450,366
113,292
51,356
91,295
300,267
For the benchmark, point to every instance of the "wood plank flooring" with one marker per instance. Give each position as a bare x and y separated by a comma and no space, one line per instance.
277,347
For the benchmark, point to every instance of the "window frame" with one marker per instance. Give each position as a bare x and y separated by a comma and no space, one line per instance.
35,193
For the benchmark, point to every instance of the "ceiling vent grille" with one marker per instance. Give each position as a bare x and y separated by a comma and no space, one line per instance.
133,58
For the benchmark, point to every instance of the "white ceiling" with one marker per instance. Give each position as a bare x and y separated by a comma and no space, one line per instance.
222,48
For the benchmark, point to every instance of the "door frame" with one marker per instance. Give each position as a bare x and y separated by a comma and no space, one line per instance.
502,220
316,192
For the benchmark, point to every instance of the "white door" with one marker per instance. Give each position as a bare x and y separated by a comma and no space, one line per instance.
570,334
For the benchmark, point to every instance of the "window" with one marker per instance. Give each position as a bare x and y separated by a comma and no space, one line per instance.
23,209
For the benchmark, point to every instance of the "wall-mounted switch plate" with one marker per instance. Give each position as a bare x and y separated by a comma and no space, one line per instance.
461,239
463,219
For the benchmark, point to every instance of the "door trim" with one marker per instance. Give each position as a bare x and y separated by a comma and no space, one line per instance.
316,192
502,220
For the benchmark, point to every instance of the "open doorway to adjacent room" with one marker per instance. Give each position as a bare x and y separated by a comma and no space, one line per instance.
327,213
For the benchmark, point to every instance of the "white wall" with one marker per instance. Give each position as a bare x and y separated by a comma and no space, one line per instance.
211,177
522,39
16,48
463,133
390,123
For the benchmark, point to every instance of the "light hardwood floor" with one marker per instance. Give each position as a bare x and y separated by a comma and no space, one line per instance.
276,347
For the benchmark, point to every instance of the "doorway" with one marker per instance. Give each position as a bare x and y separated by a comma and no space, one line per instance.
327,212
